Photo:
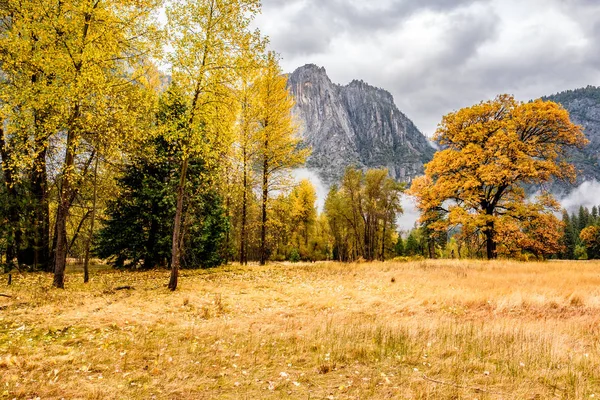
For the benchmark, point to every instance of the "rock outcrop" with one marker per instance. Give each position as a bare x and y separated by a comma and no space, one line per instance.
357,125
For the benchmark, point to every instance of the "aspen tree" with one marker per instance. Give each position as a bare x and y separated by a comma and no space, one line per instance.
75,73
207,37
279,144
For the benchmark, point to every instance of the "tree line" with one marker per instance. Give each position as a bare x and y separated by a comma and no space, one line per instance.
97,142
103,153
581,234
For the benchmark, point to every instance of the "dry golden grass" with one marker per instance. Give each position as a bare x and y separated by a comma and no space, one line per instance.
442,329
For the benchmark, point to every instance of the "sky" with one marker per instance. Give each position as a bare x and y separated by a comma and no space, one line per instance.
437,56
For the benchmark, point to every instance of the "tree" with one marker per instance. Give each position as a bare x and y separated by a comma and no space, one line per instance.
412,247
137,230
248,139
490,151
336,212
399,246
303,213
207,37
569,239
279,150
362,214
76,75
584,218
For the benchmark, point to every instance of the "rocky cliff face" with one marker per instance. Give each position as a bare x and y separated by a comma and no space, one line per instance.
356,124
584,108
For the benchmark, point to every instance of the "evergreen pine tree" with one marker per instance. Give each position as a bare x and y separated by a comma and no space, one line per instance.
569,240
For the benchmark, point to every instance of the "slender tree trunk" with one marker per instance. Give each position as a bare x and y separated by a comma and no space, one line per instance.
243,233
177,233
383,240
265,195
431,245
86,260
62,213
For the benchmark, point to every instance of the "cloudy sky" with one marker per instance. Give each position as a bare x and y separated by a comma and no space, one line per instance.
436,56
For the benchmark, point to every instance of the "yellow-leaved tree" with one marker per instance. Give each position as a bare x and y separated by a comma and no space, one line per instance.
75,73
279,149
490,150
209,39
247,141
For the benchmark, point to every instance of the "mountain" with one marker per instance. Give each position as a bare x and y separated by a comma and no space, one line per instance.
584,108
357,125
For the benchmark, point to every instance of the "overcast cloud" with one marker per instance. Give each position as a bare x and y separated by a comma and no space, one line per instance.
436,56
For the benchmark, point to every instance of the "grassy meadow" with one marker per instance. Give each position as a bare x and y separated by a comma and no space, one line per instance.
437,329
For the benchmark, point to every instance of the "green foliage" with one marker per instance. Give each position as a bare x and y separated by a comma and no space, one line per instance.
412,247
578,236
139,224
362,214
580,252
399,246
137,232
569,239
294,255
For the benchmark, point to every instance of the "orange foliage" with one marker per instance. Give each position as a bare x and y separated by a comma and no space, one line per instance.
490,150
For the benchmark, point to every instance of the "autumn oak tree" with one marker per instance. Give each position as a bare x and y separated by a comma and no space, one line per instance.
490,150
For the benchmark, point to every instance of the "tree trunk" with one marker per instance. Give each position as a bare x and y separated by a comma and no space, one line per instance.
62,213
490,242
265,194
243,234
383,241
177,234
86,260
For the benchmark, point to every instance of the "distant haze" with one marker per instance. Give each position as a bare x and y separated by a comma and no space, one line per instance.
321,189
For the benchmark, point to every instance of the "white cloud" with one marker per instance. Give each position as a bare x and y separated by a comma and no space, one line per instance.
411,214
587,195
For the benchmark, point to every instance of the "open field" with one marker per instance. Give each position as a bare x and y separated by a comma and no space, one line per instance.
442,329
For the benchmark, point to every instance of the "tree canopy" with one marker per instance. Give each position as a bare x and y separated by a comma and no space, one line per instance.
490,151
